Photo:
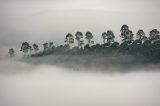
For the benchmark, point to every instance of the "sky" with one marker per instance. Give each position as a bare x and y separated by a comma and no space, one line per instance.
42,21
39,21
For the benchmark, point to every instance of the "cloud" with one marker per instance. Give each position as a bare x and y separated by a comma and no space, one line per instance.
26,84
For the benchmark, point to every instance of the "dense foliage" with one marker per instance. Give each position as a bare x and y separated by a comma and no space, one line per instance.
139,45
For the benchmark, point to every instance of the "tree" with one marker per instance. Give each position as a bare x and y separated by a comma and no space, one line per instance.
11,52
141,36
69,39
25,47
79,37
126,34
89,37
154,35
35,47
30,49
104,37
45,46
110,36
50,44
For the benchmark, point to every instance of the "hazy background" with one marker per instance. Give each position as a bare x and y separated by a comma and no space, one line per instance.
45,85
39,21
50,20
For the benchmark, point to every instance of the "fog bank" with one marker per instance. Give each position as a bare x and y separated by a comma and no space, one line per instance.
26,84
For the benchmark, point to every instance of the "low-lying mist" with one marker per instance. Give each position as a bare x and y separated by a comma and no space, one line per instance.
40,82
99,63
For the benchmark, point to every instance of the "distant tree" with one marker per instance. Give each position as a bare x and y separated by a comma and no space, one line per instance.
96,48
50,44
141,36
69,39
87,47
45,46
154,35
110,37
25,47
126,34
104,37
79,37
35,47
115,45
11,52
30,49
89,37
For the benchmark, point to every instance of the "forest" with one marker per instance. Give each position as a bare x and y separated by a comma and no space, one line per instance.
140,46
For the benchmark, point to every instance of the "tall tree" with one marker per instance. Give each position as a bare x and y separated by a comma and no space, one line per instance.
45,46
104,37
11,52
141,35
154,35
110,37
69,39
50,44
35,47
30,49
89,37
25,47
79,37
126,34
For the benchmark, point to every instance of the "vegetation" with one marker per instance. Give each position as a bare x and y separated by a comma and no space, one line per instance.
139,46
11,52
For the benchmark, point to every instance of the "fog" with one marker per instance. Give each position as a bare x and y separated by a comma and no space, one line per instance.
87,81
27,84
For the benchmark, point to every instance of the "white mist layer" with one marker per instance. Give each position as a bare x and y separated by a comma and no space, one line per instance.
22,84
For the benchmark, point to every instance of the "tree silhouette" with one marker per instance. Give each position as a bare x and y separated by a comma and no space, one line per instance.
25,48
154,35
30,49
141,36
50,44
79,37
35,47
110,37
104,37
126,34
69,39
89,37
11,52
45,46
140,47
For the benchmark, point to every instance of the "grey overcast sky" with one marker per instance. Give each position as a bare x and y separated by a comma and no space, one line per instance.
50,20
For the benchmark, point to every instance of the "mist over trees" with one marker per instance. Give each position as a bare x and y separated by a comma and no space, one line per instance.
139,45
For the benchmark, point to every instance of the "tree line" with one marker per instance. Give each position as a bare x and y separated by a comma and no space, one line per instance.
138,45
